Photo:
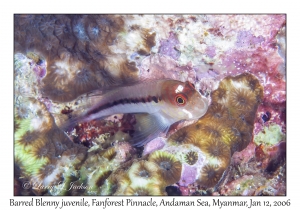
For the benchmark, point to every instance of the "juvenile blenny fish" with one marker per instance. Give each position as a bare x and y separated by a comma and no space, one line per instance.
157,105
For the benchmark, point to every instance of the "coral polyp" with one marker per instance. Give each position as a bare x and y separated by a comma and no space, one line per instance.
242,100
220,95
169,166
84,79
253,84
181,137
143,173
191,157
215,148
210,175
101,178
218,112
43,150
210,130
27,139
57,94
109,153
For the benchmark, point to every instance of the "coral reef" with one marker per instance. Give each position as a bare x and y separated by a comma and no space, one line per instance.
237,62
77,50
219,139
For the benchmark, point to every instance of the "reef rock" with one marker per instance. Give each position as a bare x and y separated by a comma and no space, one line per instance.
236,61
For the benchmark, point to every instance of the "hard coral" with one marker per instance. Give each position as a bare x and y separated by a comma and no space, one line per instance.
109,153
65,56
42,150
220,95
225,128
65,41
191,157
181,137
215,148
242,100
169,166
115,184
218,112
143,172
210,175
27,139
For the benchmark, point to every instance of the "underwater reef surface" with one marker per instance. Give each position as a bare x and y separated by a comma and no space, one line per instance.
236,62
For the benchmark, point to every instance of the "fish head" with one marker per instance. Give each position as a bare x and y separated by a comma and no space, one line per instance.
183,101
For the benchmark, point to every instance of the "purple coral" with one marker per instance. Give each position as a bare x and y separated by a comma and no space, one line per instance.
188,176
168,47
211,51
154,145
247,39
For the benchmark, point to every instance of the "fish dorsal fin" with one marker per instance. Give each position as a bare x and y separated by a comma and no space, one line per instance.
148,127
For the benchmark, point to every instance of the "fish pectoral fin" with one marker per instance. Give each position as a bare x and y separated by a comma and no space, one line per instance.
148,127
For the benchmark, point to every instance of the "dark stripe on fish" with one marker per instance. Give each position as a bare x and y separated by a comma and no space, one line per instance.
125,101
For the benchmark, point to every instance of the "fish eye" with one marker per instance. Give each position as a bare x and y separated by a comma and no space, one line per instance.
180,100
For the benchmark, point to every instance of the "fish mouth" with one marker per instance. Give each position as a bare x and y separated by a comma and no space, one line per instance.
201,107
189,114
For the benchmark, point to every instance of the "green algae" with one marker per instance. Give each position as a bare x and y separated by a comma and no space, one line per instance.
270,135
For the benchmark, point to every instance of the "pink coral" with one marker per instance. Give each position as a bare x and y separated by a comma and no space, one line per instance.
160,66
154,145
168,47
189,175
210,51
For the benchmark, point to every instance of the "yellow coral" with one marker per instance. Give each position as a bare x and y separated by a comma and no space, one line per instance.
169,167
191,157
226,127
143,173
210,175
